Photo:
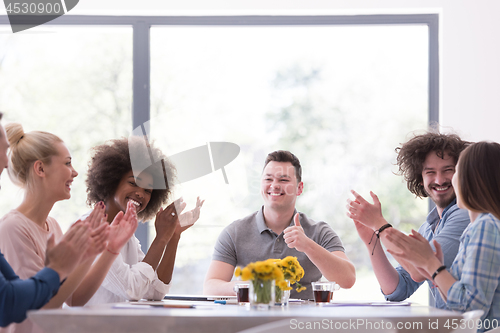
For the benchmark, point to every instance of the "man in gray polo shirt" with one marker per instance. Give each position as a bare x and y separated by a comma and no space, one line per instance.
277,230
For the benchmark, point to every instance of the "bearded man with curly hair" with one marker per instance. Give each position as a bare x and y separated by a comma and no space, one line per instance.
427,163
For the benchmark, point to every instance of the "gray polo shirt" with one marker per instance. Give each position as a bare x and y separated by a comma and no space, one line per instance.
249,239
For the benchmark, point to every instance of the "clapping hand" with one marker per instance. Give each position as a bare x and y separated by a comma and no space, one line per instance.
99,231
364,212
122,228
188,218
67,254
167,219
365,233
415,249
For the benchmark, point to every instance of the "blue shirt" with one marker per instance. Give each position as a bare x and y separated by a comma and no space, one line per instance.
477,270
18,296
448,232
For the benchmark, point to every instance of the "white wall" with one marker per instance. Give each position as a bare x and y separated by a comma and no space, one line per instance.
470,50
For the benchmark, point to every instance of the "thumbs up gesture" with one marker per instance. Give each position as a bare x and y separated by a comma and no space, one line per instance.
295,237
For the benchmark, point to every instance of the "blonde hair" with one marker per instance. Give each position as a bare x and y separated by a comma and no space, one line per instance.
25,150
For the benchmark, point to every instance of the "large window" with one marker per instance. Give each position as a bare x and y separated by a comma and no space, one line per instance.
339,92
340,97
73,82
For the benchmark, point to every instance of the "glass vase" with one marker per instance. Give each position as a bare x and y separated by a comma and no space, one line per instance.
281,296
262,294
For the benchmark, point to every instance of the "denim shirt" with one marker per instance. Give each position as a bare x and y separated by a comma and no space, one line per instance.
448,232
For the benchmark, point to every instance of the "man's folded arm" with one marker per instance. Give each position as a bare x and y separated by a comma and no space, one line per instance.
218,279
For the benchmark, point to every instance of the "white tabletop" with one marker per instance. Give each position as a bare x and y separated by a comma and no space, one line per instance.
233,318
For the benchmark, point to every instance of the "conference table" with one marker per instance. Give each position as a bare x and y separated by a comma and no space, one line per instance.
197,316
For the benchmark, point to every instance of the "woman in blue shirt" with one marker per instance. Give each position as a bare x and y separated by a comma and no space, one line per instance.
473,281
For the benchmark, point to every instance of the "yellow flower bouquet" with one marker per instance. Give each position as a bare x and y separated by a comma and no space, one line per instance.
292,271
264,275
278,272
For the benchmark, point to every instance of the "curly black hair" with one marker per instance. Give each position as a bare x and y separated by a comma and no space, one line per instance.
112,160
412,154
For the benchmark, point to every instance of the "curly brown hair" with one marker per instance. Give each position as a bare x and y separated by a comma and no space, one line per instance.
112,160
412,154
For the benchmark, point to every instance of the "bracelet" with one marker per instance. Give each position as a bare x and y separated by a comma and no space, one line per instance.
112,252
377,233
442,268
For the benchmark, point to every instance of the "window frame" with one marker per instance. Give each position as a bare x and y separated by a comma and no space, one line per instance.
141,26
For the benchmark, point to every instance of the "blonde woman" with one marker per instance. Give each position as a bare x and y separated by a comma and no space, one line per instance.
40,163
18,296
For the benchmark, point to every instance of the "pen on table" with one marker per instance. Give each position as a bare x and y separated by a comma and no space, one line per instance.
176,306
228,301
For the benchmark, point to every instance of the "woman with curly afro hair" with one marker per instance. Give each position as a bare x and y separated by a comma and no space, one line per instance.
115,180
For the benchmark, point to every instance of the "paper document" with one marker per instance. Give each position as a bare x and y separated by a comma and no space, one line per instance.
367,303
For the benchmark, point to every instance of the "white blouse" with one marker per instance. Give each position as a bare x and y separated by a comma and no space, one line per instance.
129,278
